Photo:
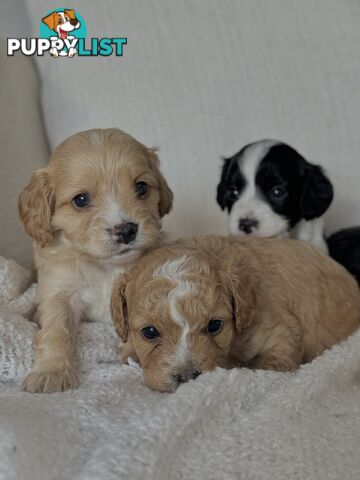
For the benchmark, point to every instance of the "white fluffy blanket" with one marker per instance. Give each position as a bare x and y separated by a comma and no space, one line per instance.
238,424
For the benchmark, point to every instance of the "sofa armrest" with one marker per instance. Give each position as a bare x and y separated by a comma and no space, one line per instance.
23,147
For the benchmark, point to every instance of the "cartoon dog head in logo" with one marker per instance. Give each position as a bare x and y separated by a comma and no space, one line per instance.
62,23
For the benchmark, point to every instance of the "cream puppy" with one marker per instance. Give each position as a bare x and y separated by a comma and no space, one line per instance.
223,302
92,212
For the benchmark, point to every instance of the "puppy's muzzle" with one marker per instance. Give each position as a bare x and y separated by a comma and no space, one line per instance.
186,375
125,232
248,225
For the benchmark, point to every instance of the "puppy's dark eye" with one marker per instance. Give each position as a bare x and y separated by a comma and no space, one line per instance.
141,188
60,21
150,333
82,200
278,193
214,326
232,193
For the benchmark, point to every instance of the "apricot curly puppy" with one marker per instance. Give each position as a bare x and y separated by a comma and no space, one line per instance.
222,302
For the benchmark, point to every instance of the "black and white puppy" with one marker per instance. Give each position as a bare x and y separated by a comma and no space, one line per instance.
344,247
269,189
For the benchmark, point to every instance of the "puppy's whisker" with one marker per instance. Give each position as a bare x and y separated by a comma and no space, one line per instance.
155,346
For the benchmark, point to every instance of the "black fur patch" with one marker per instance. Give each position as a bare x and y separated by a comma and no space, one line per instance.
232,180
344,247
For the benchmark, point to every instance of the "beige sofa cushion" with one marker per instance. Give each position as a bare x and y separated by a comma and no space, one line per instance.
23,148
200,78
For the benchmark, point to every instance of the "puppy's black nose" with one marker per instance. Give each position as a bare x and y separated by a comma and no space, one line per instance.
185,377
125,232
180,378
74,22
247,225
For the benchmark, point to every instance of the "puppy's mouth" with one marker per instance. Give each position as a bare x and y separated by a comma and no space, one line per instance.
128,254
260,233
63,34
125,251
278,234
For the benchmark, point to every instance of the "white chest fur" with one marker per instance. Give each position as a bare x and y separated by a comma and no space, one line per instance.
87,284
95,294
311,231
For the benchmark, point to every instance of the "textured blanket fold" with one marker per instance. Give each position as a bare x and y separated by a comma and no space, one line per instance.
237,424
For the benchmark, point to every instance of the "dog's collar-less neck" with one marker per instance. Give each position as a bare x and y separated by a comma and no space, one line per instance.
311,231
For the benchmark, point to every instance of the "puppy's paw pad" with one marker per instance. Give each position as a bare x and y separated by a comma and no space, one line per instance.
50,381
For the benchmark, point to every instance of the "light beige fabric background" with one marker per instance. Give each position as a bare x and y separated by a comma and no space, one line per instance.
200,78
23,148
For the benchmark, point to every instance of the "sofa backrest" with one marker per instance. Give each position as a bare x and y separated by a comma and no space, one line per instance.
200,78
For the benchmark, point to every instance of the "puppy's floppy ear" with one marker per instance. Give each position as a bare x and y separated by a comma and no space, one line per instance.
317,193
241,277
36,207
50,21
222,186
118,307
71,13
166,195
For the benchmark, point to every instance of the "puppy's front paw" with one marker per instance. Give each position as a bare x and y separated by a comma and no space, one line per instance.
54,52
72,52
50,381
126,352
